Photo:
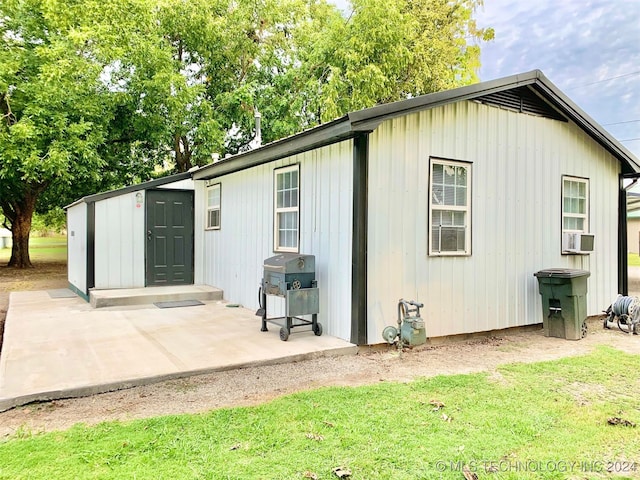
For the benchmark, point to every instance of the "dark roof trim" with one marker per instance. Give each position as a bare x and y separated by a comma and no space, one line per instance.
432,100
367,120
320,136
536,81
589,125
132,188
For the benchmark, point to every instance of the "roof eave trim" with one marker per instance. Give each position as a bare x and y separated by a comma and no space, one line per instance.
323,135
369,119
366,118
158,182
354,123
589,125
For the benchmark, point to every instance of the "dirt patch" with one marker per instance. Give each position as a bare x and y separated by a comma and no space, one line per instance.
43,276
256,385
586,393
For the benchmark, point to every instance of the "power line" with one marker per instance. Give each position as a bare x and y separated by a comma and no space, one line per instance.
620,123
604,80
630,139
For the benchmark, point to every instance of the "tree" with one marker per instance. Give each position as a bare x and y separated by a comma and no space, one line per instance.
96,94
53,115
383,51
195,81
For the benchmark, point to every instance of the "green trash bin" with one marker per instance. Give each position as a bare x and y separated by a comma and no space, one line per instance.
564,302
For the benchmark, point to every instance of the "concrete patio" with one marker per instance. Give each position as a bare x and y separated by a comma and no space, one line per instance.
62,347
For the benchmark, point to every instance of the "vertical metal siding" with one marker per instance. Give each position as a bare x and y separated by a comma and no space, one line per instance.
77,246
517,165
232,257
119,242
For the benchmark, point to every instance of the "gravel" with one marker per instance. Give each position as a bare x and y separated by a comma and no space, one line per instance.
256,385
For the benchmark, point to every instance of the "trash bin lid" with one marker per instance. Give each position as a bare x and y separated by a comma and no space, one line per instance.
562,273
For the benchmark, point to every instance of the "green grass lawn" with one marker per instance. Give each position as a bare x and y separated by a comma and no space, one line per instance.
543,420
42,249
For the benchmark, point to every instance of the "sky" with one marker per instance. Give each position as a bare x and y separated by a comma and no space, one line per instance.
590,49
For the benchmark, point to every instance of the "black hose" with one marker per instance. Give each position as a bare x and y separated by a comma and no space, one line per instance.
621,305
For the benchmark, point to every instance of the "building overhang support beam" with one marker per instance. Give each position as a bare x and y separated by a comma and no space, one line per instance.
623,247
359,239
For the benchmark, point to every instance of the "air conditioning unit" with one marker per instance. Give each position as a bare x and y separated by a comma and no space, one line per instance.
577,243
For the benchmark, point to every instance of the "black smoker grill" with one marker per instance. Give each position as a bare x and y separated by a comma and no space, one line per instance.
291,276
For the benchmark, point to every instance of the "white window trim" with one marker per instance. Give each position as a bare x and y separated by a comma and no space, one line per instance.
213,208
585,216
276,210
467,246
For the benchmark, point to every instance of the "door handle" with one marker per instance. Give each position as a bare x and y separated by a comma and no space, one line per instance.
149,235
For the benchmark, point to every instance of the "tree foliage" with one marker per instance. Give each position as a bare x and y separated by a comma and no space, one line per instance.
386,50
52,107
96,94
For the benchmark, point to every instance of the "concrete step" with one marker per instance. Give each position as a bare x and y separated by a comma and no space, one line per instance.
148,295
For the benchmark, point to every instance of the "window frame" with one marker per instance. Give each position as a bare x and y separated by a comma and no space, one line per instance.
211,208
277,210
456,208
563,214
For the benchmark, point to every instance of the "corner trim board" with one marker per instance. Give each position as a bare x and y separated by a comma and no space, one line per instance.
623,261
91,246
359,240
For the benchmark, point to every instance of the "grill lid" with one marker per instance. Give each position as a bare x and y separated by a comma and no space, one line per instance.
290,263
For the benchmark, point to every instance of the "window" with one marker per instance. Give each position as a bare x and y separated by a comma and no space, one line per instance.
575,205
450,207
213,207
286,210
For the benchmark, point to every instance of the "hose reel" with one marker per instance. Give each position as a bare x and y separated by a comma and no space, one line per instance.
625,312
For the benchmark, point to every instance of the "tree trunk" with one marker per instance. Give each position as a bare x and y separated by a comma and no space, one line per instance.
20,230
182,152
18,206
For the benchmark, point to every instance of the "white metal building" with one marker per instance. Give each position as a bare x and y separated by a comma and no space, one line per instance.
117,239
454,199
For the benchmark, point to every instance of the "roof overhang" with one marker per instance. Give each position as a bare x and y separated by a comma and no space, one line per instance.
380,113
630,164
367,120
535,80
320,136
132,188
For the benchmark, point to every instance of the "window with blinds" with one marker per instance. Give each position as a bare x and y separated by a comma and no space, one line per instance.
450,207
286,212
575,205
213,207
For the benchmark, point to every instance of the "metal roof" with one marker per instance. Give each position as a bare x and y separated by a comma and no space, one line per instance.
364,121
633,204
132,188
